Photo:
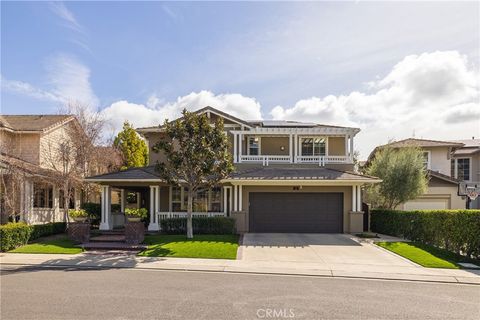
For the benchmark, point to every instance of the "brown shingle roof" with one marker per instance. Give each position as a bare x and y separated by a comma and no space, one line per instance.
412,142
33,122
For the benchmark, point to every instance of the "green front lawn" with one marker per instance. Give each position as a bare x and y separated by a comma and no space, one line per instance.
425,255
50,245
201,246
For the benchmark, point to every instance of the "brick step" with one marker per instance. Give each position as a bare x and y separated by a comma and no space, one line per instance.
98,246
109,232
108,238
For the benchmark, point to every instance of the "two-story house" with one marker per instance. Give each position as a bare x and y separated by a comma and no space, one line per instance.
27,152
290,177
445,172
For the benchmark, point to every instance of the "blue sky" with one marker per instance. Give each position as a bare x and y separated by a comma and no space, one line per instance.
144,61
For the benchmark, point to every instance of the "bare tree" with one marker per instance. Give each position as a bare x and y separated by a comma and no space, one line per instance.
12,179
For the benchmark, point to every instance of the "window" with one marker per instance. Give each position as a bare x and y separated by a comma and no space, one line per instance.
253,146
313,147
206,200
426,159
42,196
460,168
61,200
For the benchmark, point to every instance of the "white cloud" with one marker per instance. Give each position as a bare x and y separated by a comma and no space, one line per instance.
434,95
156,111
66,15
25,88
70,79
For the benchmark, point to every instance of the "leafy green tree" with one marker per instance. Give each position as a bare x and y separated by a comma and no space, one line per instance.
197,155
133,148
403,173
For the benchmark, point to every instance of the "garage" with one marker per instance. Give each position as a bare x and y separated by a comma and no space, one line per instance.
296,212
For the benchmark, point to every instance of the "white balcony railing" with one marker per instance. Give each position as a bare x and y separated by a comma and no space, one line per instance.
322,160
166,215
265,160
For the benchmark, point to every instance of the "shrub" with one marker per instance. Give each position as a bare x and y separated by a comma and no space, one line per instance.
138,213
42,230
13,235
457,231
77,213
201,225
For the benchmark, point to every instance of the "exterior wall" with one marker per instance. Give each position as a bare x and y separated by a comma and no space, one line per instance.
152,139
336,146
474,165
50,142
272,146
24,146
346,190
440,159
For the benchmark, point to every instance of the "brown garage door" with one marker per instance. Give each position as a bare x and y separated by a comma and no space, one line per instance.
296,212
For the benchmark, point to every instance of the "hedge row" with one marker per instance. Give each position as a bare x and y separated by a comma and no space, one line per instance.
201,225
454,230
13,235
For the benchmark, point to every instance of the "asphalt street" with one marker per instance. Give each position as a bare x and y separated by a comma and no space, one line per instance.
40,293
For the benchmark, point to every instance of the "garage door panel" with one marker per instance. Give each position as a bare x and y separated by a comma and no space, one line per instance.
296,212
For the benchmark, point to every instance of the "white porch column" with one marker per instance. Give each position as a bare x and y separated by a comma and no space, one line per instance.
351,148
225,200
359,198
154,208
240,147
347,152
122,200
235,198
295,143
290,147
235,148
230,199
240,195
105,223
354,198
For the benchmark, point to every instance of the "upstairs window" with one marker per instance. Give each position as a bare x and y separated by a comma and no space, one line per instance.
426,160
313,147
253,146
460,169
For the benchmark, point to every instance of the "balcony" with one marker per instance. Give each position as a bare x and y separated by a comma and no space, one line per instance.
320,160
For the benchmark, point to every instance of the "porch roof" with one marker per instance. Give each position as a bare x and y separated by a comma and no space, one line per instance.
320,173
148,174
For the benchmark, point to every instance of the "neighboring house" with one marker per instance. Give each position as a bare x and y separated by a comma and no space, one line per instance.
465,166
443,186
28,144
290,177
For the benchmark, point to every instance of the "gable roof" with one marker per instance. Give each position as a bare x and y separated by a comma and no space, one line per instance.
33,123
413,142
443,177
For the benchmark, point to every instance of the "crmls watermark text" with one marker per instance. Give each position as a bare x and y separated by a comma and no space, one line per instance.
271,313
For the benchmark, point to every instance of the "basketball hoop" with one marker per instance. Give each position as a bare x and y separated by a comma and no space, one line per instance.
472,192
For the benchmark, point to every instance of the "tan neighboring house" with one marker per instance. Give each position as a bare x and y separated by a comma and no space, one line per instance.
443,186
290,177
465,166
28,143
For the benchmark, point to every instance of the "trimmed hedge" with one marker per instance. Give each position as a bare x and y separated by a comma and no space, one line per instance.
42,230
13,235
454,230
201,225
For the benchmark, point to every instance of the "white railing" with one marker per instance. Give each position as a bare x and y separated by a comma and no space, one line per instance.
322,160
265,160
166,215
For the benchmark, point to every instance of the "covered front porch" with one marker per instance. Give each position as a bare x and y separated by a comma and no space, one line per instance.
162,201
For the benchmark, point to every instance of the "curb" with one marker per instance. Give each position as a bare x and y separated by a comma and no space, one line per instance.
345,275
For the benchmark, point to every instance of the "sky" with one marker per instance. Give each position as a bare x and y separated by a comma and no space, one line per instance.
393,69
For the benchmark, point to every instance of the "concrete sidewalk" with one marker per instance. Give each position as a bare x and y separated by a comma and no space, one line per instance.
91,260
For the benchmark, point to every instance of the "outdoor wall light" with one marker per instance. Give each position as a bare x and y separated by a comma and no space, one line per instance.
282,148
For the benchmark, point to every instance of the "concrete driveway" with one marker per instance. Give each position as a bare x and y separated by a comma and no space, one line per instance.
327,249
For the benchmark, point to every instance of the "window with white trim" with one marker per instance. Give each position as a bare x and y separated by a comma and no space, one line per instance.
313,146
426,159
42,196
205,200
460,168
253,146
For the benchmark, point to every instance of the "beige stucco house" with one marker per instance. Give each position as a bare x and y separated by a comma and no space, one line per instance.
290,177
446,169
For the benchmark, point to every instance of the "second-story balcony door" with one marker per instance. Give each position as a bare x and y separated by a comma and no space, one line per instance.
253,146
313,147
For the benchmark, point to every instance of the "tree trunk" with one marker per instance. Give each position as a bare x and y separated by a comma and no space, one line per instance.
189,214
66,202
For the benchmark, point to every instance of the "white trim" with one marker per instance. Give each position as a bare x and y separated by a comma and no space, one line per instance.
429,159
354,198
235,159
316,130
359,199
297,182
290,147
235,196
226,117
240,149
123,180
240,198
